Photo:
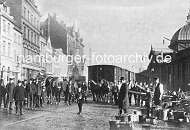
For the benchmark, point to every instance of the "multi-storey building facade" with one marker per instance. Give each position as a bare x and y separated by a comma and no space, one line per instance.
10,39
17,52
42,53
27,18
75,48
48,58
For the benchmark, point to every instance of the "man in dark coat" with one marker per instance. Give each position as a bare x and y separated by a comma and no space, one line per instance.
10,86
158,92
38,92
84,89
80,99
30,91
19,95
115,91
69,91
3,93
123,99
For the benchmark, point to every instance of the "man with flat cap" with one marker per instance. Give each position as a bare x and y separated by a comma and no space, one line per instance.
158,92
10,86
123,99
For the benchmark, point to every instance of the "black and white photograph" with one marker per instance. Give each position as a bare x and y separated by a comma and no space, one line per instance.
94,64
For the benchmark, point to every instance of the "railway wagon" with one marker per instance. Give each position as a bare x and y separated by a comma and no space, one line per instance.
109,72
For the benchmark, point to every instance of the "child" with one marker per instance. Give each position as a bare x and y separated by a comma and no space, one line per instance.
80,99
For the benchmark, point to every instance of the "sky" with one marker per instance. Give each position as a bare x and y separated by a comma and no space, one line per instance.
120,27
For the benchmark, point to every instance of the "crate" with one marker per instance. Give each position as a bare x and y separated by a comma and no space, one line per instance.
123,118
151,120
125,126
142,118
178,115
113,124
144,111
146,127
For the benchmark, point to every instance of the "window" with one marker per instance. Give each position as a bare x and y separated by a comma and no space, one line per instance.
25,32
28,15
35,22
18,39
31,19
15,56
37,41
4,47
32,37
15,37
24,12
9,48
28,34
35,38
38,25
4,26
9,27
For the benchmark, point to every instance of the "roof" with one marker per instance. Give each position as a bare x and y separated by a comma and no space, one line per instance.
182,34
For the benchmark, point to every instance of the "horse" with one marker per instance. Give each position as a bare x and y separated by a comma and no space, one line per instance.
100,90
56,89
94,87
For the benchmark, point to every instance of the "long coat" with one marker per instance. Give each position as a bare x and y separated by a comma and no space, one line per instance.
10,87
3,91
123,98
30,89
19,93
38,88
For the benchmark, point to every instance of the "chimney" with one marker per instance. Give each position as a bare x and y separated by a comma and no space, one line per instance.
54,16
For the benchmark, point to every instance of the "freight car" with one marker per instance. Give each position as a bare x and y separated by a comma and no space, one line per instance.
110,73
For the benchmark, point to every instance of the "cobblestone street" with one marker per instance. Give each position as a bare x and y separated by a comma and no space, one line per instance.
64,117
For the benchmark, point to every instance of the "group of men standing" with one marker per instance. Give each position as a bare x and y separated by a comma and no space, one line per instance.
70,90
123,94
23,93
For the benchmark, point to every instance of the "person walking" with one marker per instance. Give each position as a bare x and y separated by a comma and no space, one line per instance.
30,91
19,95
158,92
123,99
80,99
10,86
3,93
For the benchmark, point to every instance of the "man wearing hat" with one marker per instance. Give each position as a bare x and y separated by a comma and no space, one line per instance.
19,95
123,98
158,92
10,86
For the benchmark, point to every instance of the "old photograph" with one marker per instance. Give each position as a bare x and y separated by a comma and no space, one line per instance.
94,64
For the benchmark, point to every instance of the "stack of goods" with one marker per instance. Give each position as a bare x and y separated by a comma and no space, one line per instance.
122,122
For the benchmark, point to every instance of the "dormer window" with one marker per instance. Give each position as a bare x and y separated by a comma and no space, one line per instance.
5,8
